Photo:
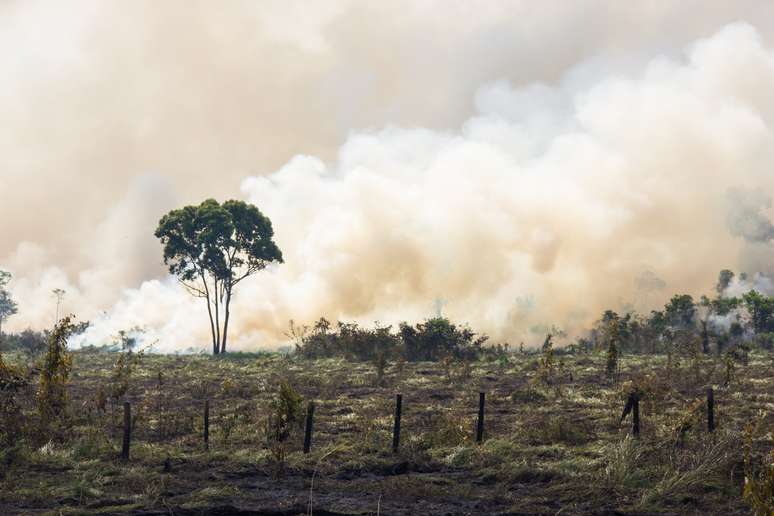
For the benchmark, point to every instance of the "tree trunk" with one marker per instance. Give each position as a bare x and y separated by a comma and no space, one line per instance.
209,312
217,318
225,321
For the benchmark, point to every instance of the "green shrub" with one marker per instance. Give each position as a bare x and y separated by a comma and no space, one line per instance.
11,382
286,416
432,340
55,372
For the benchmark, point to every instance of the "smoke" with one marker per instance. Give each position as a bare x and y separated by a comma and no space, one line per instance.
747,218
759,282
528,168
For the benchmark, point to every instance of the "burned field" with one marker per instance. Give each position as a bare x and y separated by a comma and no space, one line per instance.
553,440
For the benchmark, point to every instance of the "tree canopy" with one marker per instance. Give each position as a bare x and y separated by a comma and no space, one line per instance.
211,248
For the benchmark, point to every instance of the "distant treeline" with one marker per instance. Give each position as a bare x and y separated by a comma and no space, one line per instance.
710,325
723,323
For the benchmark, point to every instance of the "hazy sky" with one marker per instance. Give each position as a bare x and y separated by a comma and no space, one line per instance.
529,162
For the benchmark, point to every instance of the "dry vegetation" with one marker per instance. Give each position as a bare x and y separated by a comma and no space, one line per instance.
553,439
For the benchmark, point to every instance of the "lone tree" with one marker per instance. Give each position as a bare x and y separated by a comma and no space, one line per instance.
211,248
7,304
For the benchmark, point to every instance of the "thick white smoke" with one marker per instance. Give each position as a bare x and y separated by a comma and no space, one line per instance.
538,199
549,204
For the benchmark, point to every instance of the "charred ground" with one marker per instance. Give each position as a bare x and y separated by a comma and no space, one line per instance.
552,444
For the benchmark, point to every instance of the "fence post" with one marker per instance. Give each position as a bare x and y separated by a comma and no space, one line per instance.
710,410
636,415
206,424
480,425
633,406
309,423
127,430
396,429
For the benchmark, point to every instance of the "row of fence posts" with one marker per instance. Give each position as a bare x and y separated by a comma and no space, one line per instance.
632,405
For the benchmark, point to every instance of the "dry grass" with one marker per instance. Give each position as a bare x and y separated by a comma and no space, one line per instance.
548,447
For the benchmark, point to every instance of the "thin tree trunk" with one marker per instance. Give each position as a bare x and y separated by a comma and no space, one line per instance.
225,322
217,315
209,312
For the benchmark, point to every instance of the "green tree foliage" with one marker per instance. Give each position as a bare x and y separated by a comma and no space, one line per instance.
211,248
724,280
761,310
680,311
8,306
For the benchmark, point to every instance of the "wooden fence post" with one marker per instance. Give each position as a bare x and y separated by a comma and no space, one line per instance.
636,416
633,406
396,429
710,410
127,430
206,424
309,423
480,425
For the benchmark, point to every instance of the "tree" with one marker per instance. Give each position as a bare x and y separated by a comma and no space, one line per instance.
8,306
213,247
724,280
680,311
761,310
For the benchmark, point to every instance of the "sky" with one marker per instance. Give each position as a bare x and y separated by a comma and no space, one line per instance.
527,163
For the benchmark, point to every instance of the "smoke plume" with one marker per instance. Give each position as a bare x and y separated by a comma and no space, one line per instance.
528,165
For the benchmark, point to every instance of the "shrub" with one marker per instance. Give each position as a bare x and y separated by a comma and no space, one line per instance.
121,376
438,338
286,415
431,340
11,382
54,374
545,372
348,340
621,460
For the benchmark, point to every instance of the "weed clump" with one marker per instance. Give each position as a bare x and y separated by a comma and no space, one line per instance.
621,460
758,476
